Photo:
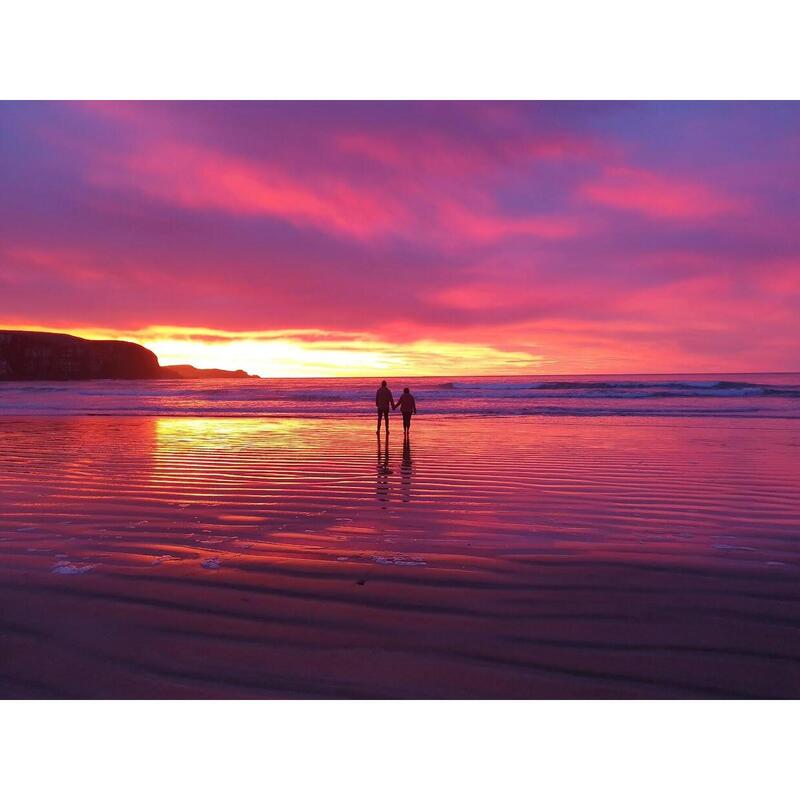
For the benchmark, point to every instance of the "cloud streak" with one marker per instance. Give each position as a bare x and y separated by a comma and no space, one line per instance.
658,196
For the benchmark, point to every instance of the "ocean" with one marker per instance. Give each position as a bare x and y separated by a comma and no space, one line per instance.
775,395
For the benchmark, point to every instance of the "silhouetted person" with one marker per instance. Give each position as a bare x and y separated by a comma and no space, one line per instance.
408,406
384,401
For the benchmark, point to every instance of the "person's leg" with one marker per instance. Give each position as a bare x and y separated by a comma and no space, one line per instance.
380,414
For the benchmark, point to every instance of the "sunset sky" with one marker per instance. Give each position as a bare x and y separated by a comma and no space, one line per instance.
409,238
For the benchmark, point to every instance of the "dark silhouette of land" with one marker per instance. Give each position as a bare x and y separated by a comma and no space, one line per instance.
31,356
188,371
45,356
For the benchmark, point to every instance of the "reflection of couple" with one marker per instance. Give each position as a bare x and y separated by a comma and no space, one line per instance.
384,401
382,487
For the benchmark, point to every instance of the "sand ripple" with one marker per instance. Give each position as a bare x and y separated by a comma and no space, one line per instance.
191,557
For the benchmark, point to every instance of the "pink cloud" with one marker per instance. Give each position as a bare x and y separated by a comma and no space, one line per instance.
474,296
424,151
77,265
438,154
490,226
657,196
196,177
781,278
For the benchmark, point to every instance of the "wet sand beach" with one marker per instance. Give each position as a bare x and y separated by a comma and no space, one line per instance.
189,557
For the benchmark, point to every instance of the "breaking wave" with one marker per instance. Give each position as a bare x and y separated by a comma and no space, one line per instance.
630,388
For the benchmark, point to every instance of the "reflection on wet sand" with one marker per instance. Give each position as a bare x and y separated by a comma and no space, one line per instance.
249,558
406,471
383,471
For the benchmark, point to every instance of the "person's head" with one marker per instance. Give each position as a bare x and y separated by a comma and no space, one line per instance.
383,383
405,391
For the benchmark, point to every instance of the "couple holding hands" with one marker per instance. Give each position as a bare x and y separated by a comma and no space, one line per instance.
384,401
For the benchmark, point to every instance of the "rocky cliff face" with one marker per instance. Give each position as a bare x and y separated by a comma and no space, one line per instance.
31,356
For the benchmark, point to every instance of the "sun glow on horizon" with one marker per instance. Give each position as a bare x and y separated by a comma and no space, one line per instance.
307,353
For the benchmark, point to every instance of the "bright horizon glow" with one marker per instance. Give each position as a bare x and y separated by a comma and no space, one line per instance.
283,354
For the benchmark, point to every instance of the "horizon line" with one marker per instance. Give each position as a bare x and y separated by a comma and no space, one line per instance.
506,375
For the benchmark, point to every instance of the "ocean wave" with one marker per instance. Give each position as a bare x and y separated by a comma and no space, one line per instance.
622,384
13,386
677,393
